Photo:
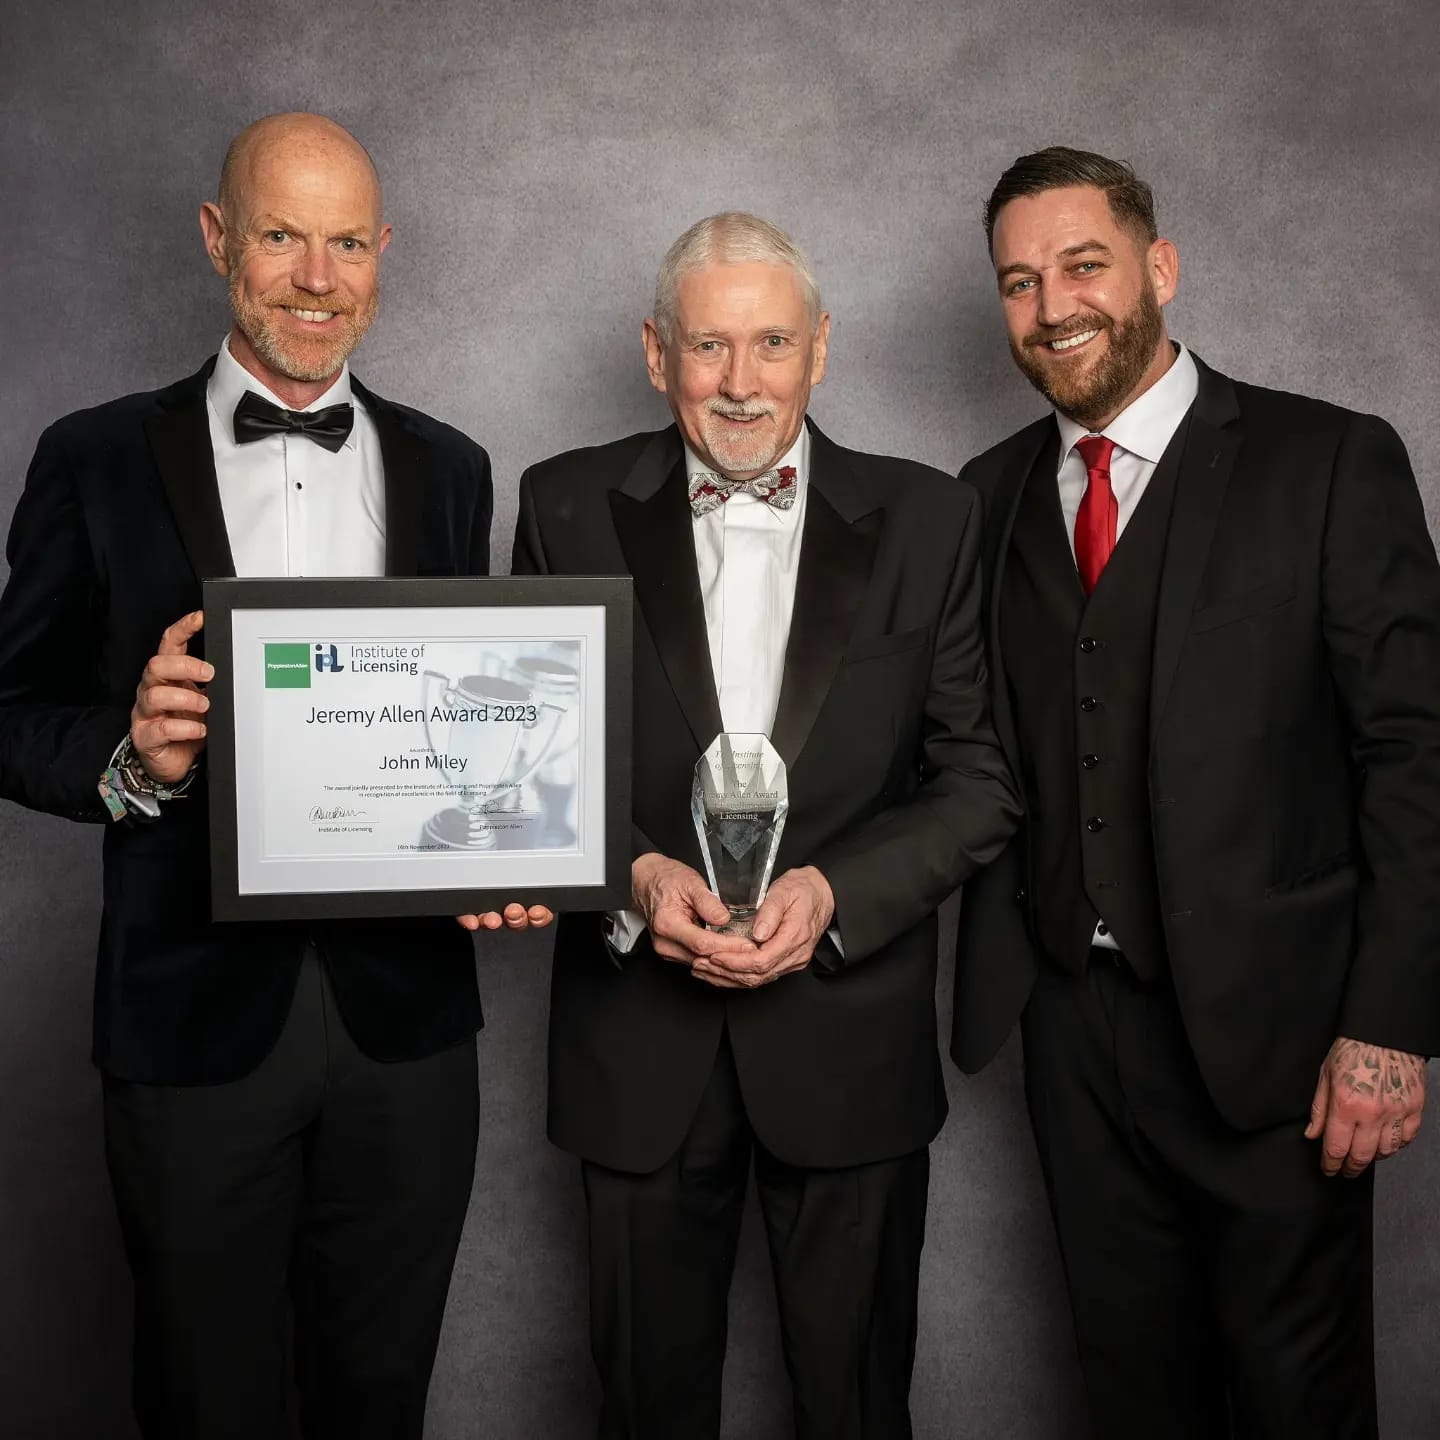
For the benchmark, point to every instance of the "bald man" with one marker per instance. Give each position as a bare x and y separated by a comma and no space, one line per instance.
290,1111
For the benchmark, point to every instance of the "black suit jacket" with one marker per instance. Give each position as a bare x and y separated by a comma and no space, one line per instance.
897,792
1294,764
119,520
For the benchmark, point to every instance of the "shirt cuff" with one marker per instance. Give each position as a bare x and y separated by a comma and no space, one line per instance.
623,929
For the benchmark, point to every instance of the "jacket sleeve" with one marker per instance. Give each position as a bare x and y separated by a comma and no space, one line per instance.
899,866
478,554
58,727
1380,599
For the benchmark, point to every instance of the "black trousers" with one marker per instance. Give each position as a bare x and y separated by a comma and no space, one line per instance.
845,1251
323,1179
1221,1285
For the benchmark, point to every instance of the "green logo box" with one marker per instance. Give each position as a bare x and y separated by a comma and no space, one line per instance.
287,667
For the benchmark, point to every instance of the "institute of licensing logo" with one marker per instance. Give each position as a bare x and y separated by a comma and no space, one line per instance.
288,664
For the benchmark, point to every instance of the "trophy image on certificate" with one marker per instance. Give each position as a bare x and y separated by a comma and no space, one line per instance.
739,802
505,731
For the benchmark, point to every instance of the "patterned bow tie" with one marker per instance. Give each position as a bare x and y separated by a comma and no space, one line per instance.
775,487
256,417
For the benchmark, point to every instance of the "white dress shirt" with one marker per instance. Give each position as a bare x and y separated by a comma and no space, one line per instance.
291,506
747,554
1141,433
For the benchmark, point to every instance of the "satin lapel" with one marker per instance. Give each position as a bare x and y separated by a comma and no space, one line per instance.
1206,464
179,439
654,527
1031,445
837,553
402,456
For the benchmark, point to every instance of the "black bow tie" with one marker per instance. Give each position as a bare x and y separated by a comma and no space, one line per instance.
256,417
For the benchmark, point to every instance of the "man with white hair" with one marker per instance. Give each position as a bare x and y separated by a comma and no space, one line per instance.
830,600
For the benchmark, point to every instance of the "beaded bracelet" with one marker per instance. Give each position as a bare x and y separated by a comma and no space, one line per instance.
126,775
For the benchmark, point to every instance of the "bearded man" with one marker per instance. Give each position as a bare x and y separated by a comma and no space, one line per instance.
828,599
1214,623
289,1109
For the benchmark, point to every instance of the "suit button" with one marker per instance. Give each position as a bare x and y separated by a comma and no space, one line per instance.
1020,897
1089,761
1094,823
1088,703
1087,645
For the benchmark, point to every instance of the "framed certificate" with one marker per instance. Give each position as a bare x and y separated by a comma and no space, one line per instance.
414,747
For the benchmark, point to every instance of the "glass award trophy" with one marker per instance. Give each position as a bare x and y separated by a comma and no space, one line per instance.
739,802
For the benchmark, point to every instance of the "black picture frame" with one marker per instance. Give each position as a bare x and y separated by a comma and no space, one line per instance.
223,597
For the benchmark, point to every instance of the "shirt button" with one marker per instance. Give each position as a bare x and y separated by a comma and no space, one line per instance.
1102,928
1094,824
1089,761
1087,645
1088,703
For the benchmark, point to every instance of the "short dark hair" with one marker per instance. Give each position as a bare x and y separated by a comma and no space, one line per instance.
1132,202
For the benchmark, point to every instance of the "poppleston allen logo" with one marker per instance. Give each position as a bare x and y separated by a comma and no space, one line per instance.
287,666
327,658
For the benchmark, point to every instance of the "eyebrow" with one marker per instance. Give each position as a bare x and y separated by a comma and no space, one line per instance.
1069,252
693,335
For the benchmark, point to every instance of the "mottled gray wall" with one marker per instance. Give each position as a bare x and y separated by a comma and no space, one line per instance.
538,158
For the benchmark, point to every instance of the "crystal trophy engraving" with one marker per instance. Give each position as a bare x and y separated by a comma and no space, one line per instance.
739,802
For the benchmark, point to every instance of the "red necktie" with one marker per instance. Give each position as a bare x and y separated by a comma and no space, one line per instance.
1098,513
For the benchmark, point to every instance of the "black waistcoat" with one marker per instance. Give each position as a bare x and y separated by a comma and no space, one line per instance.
1079,676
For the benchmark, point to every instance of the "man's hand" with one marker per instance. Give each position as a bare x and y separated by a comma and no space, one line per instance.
677,904
165,730
1367,1103
797,911
514,917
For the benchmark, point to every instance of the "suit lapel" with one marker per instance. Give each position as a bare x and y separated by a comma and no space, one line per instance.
402,456
1206,464
179,439
653,525
843,520
1031,444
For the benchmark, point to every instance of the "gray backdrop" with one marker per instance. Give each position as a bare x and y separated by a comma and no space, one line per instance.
538,158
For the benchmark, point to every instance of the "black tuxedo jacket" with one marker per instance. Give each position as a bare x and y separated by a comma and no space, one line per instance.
1294,762
119,520
897,792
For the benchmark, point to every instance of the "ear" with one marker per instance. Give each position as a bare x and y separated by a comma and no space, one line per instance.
1162,262
212,227
384,242
822,348
654,355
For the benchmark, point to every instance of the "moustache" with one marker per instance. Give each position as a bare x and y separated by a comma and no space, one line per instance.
1047,335
298,300
734,410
